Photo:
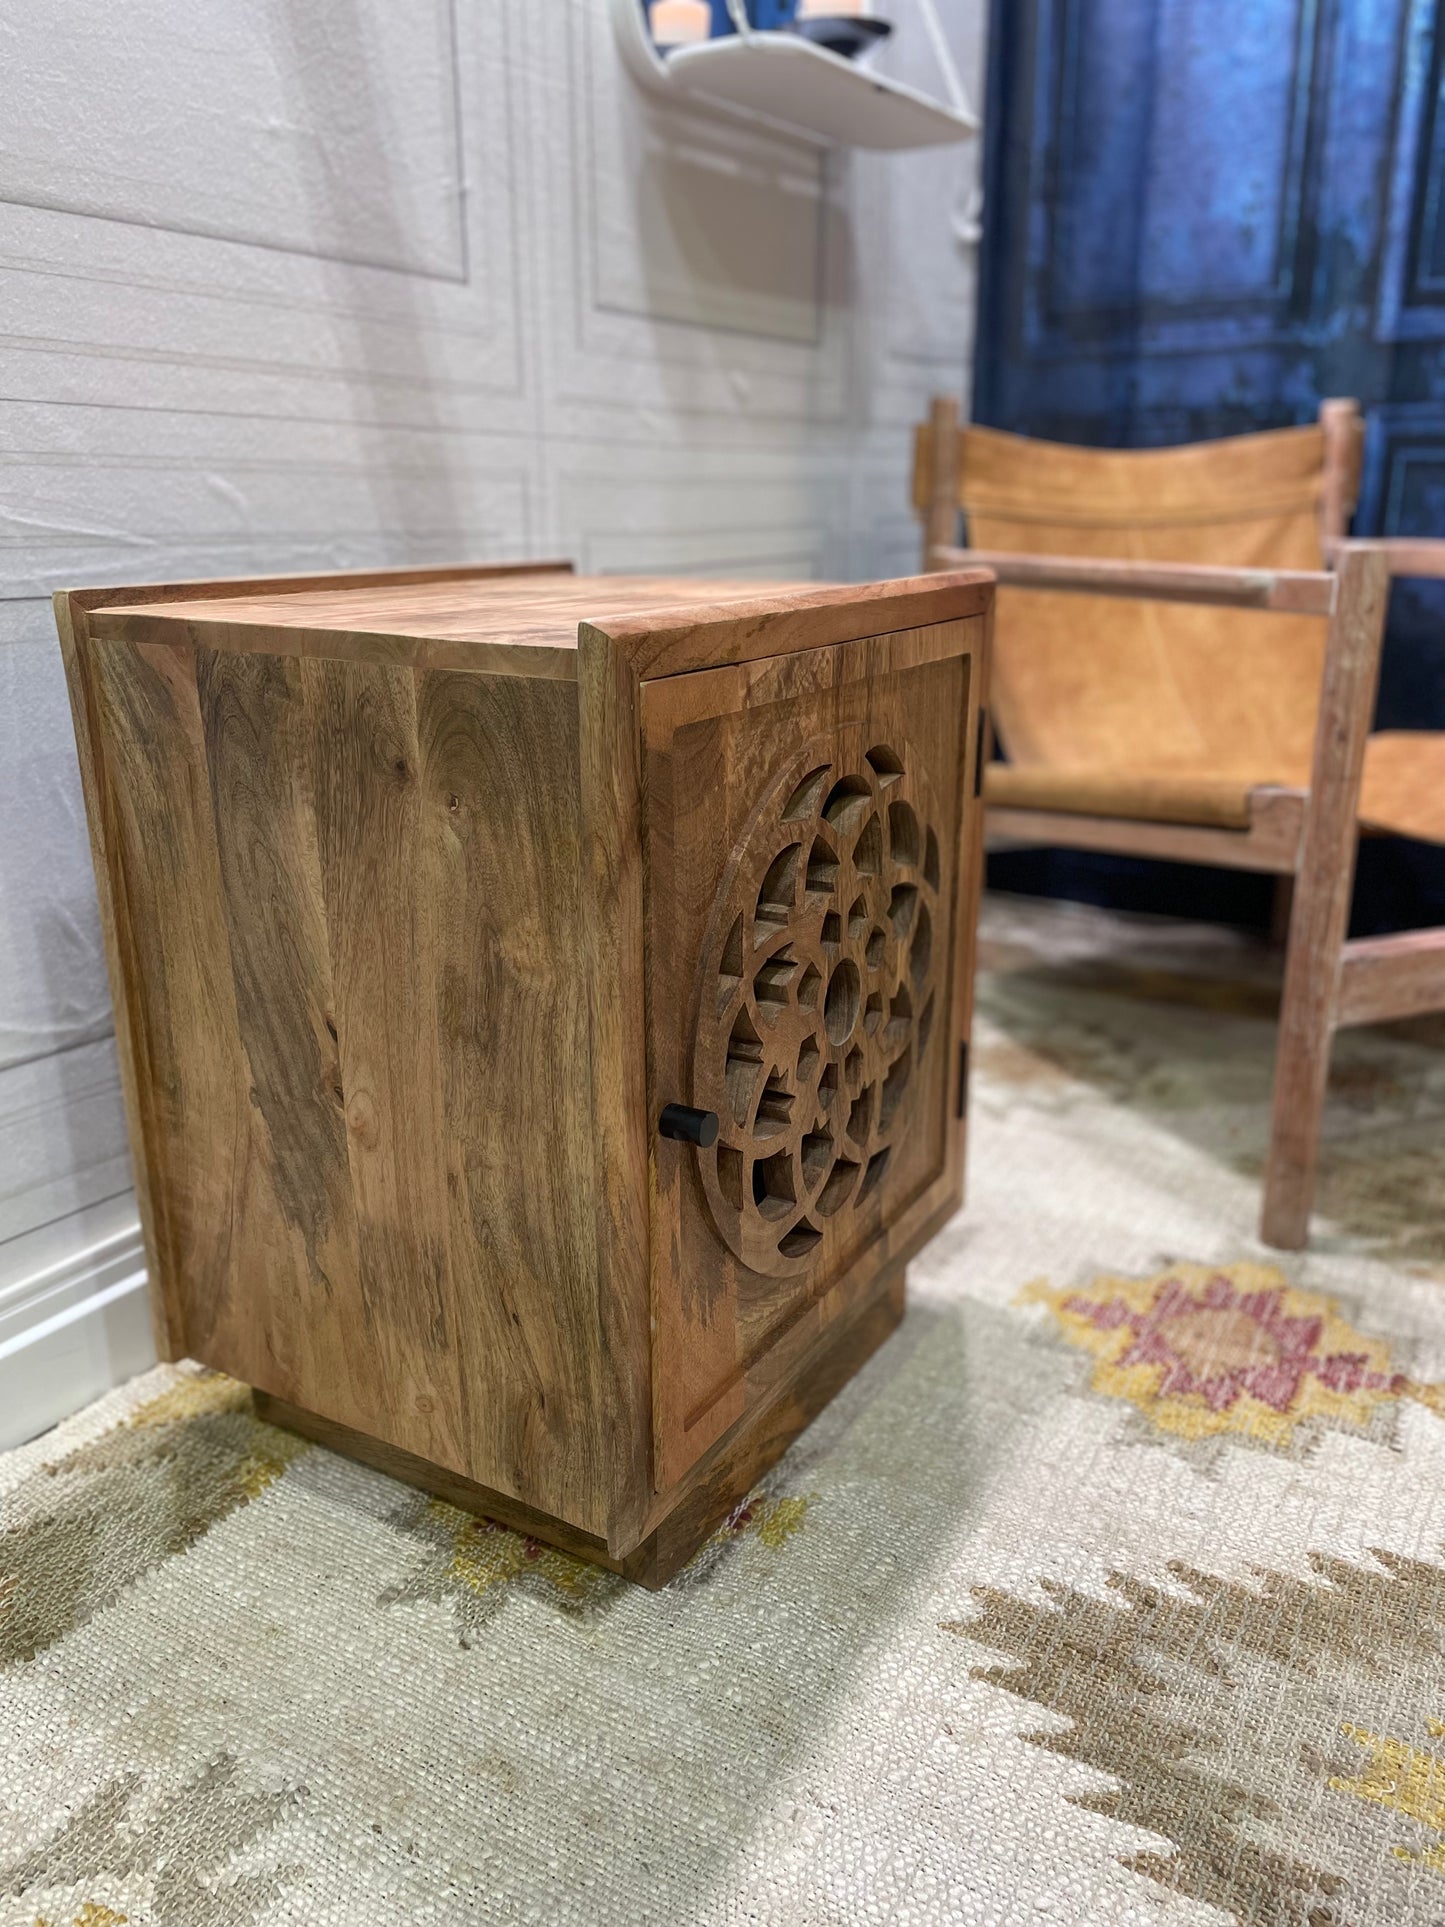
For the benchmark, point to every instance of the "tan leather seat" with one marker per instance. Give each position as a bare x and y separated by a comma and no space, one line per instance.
1157,796
1159,711
1403,792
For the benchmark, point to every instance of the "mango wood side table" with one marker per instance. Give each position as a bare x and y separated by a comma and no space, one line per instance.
542,1004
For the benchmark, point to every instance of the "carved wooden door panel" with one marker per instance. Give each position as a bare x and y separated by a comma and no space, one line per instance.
808,900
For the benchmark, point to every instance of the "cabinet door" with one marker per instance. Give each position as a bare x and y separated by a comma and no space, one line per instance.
811,885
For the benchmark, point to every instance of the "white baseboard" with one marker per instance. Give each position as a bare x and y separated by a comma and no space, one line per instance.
73,1317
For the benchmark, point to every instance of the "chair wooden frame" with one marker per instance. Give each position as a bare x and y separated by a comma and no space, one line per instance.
1307,838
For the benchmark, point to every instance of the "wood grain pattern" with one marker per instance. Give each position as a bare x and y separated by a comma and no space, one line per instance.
291,1216
1414,555
937,483
501,875
537,656
816,992
392,1009
155,595
719,1479
719,745
1271,843
1344,433
1386,978
523,625
254,728
696,1508
971,862
529,617
89,739
1323,886
1287,591
528,626
179,1001
371,796
426,1475
350,897
779,624
519,608
610,807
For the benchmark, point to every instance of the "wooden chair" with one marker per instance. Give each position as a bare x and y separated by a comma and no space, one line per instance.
1185,666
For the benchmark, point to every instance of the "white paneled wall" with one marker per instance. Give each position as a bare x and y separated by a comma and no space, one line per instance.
307,284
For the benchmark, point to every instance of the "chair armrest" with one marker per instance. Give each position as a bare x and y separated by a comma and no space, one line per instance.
1413,554
1295,591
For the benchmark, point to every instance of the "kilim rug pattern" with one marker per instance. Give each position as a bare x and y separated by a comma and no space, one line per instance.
1112,1591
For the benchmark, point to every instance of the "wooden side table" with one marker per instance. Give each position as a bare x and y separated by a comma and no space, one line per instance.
543,1007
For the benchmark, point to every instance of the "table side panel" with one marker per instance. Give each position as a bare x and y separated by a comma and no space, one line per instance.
347,902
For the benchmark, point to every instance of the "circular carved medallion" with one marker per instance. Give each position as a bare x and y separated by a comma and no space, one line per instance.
817,996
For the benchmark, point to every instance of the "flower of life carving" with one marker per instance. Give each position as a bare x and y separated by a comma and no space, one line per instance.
817,998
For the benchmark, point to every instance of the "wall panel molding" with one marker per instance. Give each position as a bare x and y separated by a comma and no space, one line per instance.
352,108
73,1318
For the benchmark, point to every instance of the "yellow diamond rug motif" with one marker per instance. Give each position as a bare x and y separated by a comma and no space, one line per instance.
1206,1350
1404,1779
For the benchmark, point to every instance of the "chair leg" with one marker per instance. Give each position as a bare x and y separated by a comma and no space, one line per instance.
1280,907
1324,882
1302,1062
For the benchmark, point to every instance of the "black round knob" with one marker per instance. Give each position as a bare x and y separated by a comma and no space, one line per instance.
691,1127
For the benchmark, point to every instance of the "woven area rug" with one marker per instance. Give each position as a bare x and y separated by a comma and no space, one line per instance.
1112,1591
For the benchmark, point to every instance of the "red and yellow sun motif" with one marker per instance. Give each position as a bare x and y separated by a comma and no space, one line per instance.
1202,1350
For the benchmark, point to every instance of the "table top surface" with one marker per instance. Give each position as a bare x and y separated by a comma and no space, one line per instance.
538,609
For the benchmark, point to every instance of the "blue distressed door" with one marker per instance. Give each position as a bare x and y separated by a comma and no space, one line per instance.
1202,219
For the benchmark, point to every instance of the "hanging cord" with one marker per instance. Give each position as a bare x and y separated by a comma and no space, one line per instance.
952,85
966,215
966,219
